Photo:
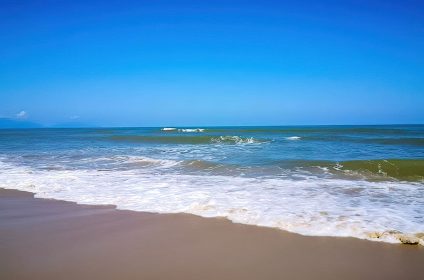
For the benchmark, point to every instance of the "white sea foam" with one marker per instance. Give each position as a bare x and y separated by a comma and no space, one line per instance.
235,139
191,130
183,129
311,206
111,161
293,138
153,162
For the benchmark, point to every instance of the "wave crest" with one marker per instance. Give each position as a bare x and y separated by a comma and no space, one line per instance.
191,130
293,138
187,139
235,139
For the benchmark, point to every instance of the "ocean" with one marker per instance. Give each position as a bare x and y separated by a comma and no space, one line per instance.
351,181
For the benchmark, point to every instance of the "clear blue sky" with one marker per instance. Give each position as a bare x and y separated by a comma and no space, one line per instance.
156,63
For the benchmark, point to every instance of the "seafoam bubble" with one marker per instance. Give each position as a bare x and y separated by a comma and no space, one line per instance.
309,206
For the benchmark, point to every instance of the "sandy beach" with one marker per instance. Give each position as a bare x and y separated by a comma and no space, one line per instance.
49,239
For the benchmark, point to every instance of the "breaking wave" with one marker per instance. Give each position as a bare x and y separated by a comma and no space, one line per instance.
206,139
191,130
293,138
381,211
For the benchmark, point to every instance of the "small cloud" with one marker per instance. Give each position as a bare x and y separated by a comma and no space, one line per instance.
22,115
74,117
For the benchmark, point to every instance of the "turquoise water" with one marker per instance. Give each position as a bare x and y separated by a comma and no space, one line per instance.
361,181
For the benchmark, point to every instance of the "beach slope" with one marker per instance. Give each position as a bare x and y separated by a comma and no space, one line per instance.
48,239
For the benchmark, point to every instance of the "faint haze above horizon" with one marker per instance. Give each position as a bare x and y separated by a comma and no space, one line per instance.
210,63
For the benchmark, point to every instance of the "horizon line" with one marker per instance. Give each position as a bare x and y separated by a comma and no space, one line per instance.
209,126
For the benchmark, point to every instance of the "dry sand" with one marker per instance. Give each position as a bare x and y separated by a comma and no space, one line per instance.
48,239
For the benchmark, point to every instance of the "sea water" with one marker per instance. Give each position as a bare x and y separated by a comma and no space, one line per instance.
358,181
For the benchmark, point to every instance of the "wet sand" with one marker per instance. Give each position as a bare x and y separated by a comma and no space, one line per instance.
49,239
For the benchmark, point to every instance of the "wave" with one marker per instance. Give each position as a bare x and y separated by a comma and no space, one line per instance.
170,129
191,129
372,170
293,138
381,211
236,140
376,169
202,139
133,161
402,169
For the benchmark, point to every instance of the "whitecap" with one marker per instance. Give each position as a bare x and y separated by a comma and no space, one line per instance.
191,130
234,139
293,138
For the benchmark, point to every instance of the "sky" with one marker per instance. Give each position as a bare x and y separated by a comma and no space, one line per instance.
192,63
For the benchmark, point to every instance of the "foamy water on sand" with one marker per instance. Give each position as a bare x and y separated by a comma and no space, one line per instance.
364,182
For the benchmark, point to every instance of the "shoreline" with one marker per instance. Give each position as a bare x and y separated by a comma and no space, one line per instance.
52,239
